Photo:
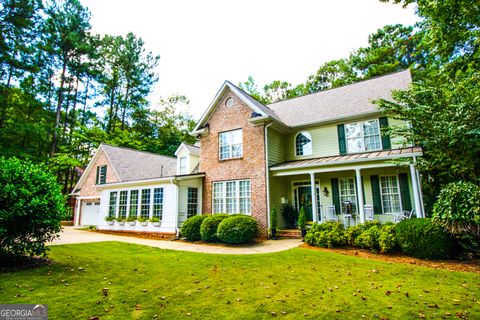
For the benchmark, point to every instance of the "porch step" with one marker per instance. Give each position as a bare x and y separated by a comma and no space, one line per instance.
289,234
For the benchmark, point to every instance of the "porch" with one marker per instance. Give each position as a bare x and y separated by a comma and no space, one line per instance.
351,194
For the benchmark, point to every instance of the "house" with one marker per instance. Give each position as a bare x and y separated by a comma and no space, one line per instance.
122,182
324,152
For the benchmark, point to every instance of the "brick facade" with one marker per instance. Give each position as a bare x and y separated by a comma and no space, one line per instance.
250,166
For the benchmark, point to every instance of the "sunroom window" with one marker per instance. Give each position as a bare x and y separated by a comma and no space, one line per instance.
231,144
363,136
232,196
303,144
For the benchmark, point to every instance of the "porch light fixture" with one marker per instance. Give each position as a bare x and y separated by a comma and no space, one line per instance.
325,192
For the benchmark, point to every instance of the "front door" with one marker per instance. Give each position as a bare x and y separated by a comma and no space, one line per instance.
304,200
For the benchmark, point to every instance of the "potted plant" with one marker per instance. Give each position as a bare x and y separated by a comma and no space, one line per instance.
121,221
273,223
110,220
302,221
132,220
143,221
156,221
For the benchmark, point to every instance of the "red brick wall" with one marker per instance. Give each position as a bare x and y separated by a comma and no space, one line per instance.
251,166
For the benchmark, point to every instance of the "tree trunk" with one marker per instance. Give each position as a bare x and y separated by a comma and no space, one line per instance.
59,109
84,120
74,108
124,111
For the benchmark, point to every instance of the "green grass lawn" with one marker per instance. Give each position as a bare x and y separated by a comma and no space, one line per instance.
146,283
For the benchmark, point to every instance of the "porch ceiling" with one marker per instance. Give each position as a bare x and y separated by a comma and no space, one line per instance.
351,158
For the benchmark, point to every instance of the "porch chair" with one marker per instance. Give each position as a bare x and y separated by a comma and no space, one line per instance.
368,211
348,216
330,214
402,216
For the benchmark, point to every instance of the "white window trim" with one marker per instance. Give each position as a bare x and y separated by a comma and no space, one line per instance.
237,196
399,193
230,146
363,136
295,144
183,169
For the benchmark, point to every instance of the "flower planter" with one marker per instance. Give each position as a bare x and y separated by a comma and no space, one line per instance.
110,223
157,224
144,223
132,223
121,223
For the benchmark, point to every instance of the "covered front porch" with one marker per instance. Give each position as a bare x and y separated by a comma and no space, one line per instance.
349,193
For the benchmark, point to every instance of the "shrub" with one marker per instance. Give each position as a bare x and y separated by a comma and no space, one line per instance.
387,240
327,235
368,239
191,228
208,229
351,234
273,218
31,208
422,238
131,218
302,218
237,229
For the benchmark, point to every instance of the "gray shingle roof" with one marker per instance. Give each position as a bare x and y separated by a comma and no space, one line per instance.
192,148
339,102
132,165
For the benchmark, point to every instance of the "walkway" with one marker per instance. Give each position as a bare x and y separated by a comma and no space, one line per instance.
71,235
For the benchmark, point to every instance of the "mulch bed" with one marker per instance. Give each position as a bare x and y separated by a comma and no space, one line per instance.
451,265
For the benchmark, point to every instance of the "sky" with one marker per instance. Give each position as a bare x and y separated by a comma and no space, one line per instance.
203,43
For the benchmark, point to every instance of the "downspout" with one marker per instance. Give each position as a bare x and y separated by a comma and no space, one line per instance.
267,173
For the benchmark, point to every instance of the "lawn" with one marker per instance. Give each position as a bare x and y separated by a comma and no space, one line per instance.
147,283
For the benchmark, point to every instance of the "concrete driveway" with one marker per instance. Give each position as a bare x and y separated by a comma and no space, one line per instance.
71,235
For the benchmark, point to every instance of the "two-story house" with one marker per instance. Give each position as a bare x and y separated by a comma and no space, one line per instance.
323,151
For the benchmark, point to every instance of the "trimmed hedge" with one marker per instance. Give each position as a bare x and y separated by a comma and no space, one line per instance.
208,229
191,228
423,238
327,235
237,229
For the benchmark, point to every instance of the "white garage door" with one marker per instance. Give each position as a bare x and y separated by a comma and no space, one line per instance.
90,212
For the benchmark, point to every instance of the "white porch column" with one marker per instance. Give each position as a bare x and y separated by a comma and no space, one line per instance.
314,197
420,192
77,212
360,195
416,192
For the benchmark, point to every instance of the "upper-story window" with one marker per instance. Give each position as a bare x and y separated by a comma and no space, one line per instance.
303,144
231,144
363,136
101,177
183,165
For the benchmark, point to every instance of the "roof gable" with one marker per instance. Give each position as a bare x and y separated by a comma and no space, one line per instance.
192,149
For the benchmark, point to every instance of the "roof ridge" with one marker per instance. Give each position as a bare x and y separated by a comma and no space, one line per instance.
342,86
136,150
192,145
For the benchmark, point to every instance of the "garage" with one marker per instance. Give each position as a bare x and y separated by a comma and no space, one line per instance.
90,213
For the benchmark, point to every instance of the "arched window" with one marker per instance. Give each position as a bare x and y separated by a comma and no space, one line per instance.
303,144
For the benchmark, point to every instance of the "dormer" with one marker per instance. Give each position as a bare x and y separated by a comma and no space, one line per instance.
188,157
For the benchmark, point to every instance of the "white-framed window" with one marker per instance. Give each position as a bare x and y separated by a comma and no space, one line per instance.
182,165
363,136
145,204
133,204
192,202
347,193
112,205
122,204
157,203
232,197
303,144
231,144
390,192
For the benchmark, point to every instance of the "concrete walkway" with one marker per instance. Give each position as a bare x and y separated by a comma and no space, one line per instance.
71,235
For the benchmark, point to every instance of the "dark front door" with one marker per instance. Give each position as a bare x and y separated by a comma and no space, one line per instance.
305,200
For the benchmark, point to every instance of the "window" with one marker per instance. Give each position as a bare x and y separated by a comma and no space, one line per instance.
158,203
112,205
133,203
230,102
192,202
232,197
145,204
303,144
101,177
122,205
363,136
390,194
347,193
183,165
231,144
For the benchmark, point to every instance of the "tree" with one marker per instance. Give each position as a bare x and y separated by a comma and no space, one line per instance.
331,74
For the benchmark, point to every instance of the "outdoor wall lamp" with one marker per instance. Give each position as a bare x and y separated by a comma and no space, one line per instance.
325,192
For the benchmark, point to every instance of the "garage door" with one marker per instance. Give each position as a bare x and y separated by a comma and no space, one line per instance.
90,213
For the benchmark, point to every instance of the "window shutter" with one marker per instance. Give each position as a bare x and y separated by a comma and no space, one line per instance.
104,175
377,199
342,145
405,191
386,143
336,195
98,174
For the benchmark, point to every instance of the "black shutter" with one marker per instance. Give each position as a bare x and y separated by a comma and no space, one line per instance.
386,143
405,191
342,145
377,199
336,195
103,174
98,174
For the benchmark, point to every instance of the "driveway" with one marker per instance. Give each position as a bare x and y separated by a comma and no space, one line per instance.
71,235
